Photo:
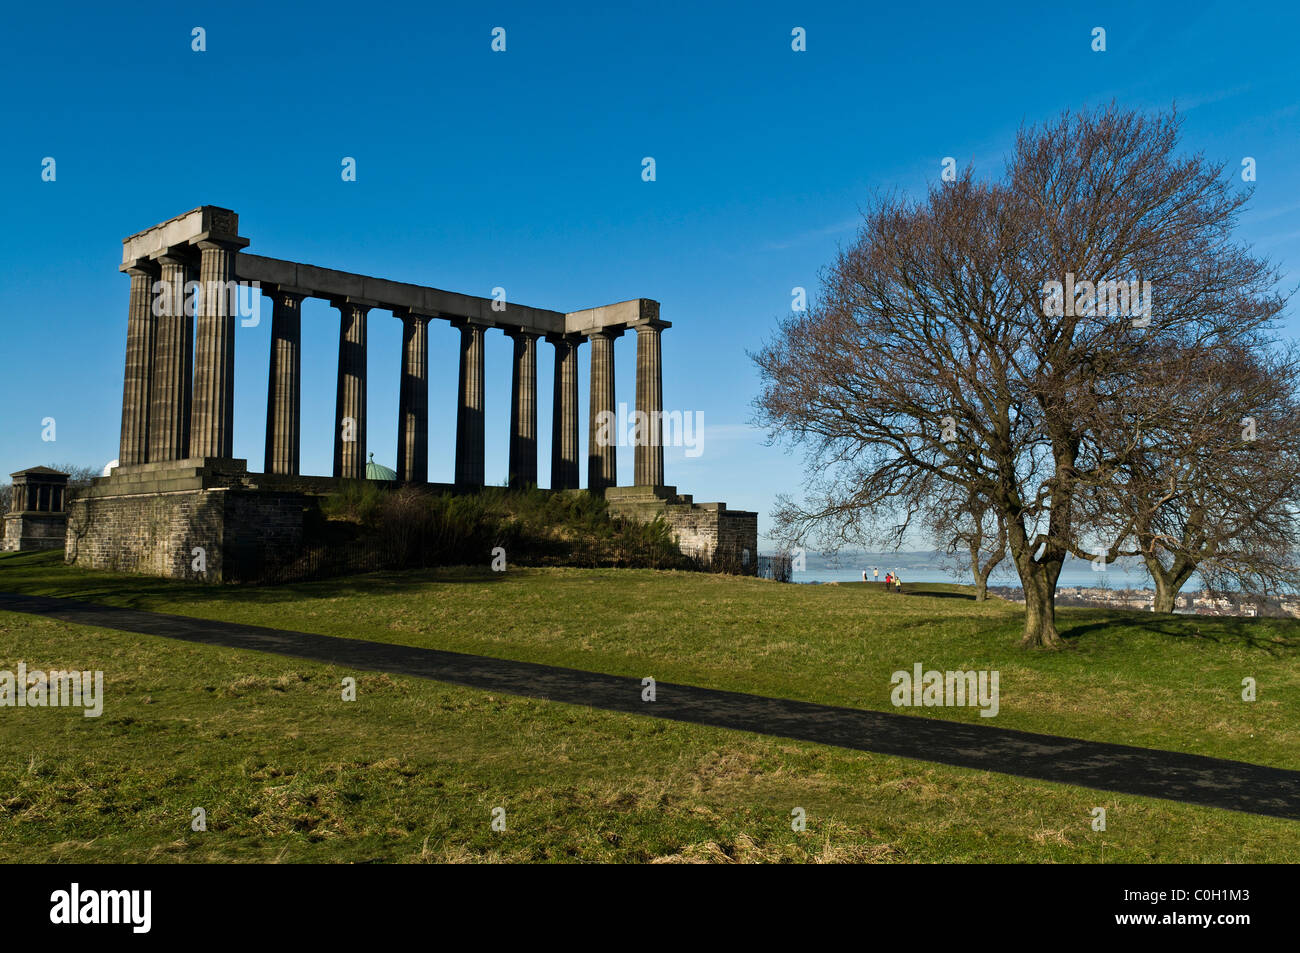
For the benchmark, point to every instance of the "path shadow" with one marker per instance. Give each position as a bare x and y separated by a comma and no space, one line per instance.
1171,775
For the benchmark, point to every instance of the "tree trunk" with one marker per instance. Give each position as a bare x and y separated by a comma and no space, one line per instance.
1168,582
1165,595
981,572
1039,582
981,576
1038,579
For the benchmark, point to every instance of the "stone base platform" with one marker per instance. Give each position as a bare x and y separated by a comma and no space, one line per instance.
25,532
211,520
198,519
708,531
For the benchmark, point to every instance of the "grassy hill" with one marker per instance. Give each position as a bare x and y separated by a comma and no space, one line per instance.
412,769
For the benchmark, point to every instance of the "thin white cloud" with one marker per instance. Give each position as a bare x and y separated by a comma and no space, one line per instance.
1188,103
731,432
1273,212
806,237
1273,239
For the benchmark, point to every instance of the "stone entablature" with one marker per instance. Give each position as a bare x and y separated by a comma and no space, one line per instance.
201,224
396,296
210,223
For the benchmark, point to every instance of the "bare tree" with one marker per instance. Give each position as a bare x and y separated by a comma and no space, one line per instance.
80,479
940,354
1213,483
968,534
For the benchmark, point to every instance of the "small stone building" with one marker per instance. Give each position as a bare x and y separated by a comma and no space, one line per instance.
37,518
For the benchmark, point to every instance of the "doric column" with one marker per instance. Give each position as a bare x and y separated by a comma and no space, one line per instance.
602,432
648,456
523,409
469,413
141,332
564,419
284,382
413,400
169,400
350,399
212,421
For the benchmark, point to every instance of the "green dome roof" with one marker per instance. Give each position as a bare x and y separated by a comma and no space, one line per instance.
376,471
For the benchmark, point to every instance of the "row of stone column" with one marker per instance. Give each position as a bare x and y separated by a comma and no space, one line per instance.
284,406
37,498
178,390
284,401
168,416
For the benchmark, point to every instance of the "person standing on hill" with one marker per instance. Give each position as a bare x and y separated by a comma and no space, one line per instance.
875,573
898,584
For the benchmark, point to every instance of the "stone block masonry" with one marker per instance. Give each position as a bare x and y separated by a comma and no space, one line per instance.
33,531
727,539
151,519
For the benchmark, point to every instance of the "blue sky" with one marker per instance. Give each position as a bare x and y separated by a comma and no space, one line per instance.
522,169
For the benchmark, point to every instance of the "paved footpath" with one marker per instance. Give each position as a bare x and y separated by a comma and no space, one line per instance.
1193,779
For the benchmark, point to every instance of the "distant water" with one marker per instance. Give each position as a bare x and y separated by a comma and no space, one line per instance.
1082,575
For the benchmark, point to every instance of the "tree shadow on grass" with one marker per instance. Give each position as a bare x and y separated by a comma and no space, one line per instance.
1278,637
150,592
379,583
940,594
372,584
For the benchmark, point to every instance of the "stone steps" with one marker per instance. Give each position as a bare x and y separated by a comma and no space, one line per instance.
702,529
169,476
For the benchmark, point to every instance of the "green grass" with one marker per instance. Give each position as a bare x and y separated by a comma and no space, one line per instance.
412,769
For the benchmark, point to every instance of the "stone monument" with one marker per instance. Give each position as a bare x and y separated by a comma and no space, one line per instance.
179,500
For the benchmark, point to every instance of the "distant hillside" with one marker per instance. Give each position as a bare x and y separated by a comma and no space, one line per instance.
919,559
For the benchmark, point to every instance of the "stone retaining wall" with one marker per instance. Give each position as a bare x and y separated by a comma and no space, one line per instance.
156,533
708,531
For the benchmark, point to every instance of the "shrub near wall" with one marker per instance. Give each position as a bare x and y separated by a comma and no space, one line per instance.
413,527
